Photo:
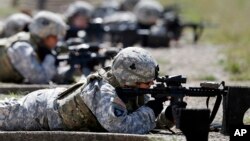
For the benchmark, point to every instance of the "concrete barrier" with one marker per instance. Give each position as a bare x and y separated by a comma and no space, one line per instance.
23,88
75,136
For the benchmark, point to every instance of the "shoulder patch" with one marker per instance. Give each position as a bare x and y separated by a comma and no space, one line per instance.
118,112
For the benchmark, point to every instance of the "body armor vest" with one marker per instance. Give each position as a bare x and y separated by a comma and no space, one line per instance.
74,112
7,71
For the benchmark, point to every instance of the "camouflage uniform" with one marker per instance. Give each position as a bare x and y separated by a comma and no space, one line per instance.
39,111
36,111
79,108
24,58
24,52
112,112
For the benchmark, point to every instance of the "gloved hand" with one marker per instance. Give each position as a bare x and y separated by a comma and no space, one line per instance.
169,110
156,105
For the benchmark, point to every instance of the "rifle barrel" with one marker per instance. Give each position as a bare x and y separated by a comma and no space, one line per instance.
181,91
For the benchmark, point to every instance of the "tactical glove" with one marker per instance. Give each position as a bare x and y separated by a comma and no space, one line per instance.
156,105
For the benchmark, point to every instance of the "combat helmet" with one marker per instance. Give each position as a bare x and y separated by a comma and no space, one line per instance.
16,23
133,64
128,5
47,23
79,8
148,11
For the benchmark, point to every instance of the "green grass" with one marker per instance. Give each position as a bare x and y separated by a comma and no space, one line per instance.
246,118
247,121
6,11
10,95
227,24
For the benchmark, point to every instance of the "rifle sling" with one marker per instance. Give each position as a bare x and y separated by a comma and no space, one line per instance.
207,101
215,108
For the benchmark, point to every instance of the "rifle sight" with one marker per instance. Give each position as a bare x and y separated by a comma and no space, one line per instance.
172,80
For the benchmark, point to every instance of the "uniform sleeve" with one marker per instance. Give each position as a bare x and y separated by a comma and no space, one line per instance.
25,61
112,114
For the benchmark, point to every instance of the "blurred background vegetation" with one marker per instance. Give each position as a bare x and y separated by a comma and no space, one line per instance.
228,24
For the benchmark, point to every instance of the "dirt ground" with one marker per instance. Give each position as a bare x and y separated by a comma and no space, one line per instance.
198,63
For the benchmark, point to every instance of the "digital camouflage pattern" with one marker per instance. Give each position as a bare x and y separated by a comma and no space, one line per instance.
148,11
21,50
35,111
16,23
25,60
94,103
112,112
79,7
74,112
47,23
133,64
21,61
40,110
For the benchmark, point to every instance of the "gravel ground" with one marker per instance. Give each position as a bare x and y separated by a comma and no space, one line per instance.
196,62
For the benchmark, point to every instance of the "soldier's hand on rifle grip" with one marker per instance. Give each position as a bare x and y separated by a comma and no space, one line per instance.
156,105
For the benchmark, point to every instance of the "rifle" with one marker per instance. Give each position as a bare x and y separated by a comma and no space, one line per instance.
172,86
156,36
85,57
171,28
93,33
129,32
175,25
